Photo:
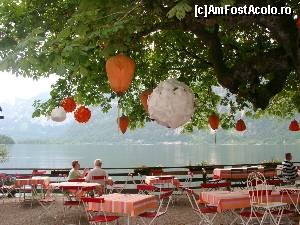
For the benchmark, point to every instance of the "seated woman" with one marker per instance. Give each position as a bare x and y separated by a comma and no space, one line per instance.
74,172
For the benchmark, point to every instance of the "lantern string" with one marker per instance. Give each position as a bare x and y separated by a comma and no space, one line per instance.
216,137
118,119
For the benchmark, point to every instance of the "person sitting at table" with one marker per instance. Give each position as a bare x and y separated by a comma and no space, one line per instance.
97,171
289,171
74,172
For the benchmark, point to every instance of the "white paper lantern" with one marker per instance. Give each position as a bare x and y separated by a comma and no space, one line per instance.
171,103
58,114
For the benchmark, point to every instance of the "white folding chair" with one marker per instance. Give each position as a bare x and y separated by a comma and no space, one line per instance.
165,183
207,214
70,198
259,194
26,191
188,180
101,180
146,189
6,191
95,218
186,184
152,216
120,187
47,202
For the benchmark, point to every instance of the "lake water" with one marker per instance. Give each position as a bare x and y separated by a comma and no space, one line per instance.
60,156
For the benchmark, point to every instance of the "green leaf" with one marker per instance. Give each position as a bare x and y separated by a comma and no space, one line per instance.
179,10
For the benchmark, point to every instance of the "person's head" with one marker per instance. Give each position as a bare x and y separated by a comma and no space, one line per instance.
98,162
288,156
75,164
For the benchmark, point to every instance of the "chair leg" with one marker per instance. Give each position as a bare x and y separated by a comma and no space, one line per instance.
279,217
263,218
143,221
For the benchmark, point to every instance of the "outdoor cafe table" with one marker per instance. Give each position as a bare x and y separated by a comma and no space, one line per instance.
152,180
44,181
33,182
226,200
226,173
75,185
109,180
131,205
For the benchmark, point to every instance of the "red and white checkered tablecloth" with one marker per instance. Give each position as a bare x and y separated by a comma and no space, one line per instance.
152,180
78,185
45,181
129,204
226,173
226,200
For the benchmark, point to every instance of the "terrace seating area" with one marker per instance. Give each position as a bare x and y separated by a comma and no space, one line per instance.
172,196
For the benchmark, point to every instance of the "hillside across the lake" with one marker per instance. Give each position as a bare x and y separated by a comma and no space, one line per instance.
102,128
5,140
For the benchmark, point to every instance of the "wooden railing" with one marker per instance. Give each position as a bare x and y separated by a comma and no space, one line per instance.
201,173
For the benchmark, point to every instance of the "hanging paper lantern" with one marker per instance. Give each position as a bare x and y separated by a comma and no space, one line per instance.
68,104
240,125
144,98
213,121
298,22
171,103
58,114
123,123
82,114
294,126
120,70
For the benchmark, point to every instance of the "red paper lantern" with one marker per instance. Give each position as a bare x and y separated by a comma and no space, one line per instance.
68,104
213,121
123,123
294,126
82,114
120,70
298,22
240,125
144,97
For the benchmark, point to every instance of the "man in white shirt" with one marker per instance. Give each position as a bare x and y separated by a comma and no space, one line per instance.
97,171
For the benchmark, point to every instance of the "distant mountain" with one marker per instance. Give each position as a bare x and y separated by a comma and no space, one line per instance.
102,128
262,131
19,124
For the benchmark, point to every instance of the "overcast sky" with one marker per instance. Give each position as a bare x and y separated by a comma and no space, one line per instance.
12,87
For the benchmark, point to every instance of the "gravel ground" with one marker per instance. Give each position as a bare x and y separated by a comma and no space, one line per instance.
13,212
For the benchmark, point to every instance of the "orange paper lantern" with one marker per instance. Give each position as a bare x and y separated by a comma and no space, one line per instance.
240,125
123,123
120,70
68,104
298,22
82,114
213,121
294,126
144,98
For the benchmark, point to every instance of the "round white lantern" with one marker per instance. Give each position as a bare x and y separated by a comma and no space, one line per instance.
58,114
171,103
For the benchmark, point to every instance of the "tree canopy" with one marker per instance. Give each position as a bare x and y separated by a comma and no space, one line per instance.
254,58
6,140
